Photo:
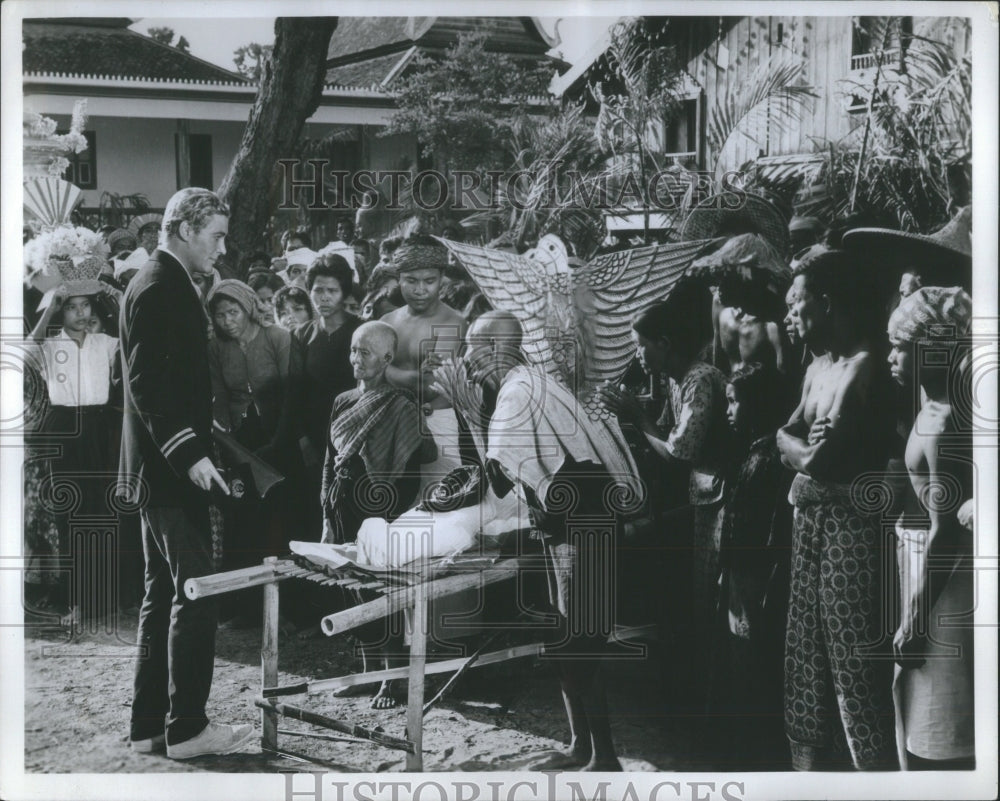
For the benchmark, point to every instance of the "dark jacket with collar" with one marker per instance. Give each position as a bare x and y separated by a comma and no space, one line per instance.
167,425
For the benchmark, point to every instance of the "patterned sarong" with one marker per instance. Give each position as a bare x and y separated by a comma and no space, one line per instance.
838,674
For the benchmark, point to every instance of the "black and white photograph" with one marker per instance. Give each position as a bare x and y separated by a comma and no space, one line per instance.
594,404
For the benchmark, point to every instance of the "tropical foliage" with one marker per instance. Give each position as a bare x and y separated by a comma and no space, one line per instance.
772,99
908,162
463,107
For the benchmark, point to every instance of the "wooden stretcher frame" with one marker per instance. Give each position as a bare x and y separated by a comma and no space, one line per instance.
415,597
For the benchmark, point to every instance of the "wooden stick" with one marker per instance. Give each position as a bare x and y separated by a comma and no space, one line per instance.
374,676
415,685
218,583
319,736
458,674
269,657
403,598
300,757
330,723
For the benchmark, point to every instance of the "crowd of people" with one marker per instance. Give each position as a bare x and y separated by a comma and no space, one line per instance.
774,395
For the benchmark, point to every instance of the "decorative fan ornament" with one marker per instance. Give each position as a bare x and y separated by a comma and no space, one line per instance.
51,200
577,321
62,254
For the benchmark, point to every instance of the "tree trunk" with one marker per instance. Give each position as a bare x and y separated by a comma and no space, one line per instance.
291,85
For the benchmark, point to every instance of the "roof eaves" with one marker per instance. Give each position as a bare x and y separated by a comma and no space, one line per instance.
235,75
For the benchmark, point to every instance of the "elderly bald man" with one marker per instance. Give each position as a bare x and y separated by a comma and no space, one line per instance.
537,439
374,437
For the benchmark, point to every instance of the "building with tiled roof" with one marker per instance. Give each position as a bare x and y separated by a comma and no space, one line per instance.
107,47
375,51
160,119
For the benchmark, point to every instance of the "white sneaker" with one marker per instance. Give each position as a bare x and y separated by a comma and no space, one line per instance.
214,739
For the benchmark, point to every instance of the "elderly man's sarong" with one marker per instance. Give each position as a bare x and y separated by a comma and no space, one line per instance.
838,670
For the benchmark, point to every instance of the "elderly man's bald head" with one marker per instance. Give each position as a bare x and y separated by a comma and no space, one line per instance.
379,337
496,325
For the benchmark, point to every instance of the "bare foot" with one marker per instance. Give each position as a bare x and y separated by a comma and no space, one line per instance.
72,619
560,760
606,765
384,698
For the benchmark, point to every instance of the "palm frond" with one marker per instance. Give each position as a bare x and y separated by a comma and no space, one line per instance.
771,94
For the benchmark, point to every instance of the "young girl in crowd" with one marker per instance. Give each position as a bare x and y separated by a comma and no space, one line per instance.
77,368
754,557
691,435
292,307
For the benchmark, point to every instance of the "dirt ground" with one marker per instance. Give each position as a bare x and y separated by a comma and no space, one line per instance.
504,717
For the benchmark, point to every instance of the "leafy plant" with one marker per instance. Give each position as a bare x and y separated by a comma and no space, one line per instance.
250,59
463,107
561,162
117,210
630,120
770,96
908,162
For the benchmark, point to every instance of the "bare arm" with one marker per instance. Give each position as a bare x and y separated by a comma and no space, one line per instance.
38,332
818,453
775,335
791,438
942,555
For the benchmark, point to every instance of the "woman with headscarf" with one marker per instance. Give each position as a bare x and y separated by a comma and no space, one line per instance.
933,648
255,373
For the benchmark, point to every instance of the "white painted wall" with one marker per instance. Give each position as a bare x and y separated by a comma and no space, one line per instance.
137,155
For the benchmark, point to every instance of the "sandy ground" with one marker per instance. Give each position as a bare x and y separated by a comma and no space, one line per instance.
498,718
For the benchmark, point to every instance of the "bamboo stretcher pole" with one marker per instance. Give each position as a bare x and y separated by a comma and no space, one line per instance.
404,598
337,725
269,658
445,666
415,687
218,583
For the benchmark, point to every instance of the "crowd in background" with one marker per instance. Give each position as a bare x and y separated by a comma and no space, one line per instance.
769,408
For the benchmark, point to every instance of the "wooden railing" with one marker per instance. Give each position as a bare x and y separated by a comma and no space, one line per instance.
868,60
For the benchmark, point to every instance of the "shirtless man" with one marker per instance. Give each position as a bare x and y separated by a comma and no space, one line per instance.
834,678
746,307
429,333
746,338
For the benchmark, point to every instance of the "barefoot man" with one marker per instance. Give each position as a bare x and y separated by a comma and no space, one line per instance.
429,332
837,683
569,471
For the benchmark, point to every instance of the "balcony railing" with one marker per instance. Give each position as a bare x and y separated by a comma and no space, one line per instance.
868,60
688,159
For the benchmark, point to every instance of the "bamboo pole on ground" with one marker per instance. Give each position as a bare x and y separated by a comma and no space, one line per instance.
337,725
269,657
354,679
415,694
